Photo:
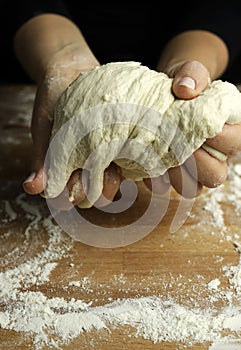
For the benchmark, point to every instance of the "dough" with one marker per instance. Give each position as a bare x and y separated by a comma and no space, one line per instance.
214,152
124,112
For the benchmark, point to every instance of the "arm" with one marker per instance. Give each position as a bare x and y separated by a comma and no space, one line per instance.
53,52
195,45
51,38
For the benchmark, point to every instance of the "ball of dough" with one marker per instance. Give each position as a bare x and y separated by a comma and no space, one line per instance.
126,113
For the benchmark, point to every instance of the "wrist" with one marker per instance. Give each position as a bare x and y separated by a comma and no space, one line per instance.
47,39
196,45
68,62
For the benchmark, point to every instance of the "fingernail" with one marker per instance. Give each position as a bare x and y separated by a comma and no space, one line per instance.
30,178
188,82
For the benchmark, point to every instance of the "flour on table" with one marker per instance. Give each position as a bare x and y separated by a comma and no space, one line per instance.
125,113
54,322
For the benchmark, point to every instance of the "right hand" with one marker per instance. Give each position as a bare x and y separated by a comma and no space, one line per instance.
188,179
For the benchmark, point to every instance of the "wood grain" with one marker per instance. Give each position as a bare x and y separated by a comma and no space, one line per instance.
175,265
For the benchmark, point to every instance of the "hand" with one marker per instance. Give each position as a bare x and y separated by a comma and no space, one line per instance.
63,68
190,79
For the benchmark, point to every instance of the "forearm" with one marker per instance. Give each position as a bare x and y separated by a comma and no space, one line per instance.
39,41
198,45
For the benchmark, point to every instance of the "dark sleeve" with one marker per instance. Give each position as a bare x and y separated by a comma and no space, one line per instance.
24,10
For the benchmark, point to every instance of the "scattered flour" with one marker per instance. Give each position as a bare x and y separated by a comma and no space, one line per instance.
55,321
232,345
12,215
214,198
234,195
234,272
213,205
214,284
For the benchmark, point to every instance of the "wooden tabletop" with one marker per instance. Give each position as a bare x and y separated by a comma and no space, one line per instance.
191,266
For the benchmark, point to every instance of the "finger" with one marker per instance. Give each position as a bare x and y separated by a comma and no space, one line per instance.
209,171
41,131
228,141
159,185
61,202
190,79
35,182
111,184
214,152
184,183
77,186
74,192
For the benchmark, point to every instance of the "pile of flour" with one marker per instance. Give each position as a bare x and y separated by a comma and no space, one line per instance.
56,321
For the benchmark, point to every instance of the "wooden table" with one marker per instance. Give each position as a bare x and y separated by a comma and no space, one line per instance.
172,266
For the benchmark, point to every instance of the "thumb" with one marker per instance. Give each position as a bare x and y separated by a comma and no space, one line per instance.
41,130
190,79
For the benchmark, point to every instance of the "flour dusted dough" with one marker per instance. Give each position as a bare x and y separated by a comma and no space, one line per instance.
124,112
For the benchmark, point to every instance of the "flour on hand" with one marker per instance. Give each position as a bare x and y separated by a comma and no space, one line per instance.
125,113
